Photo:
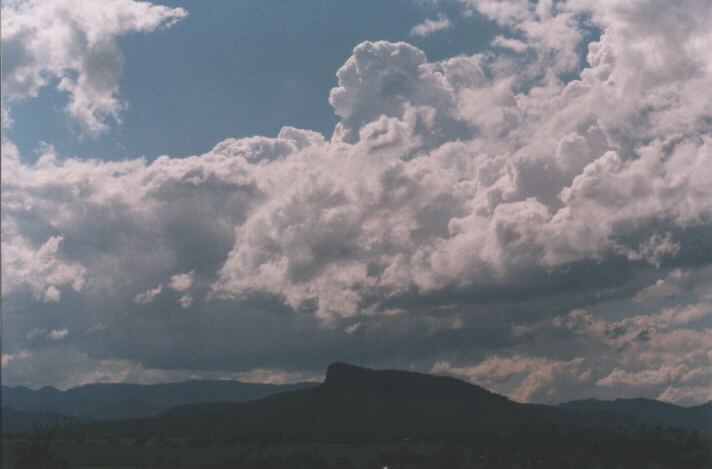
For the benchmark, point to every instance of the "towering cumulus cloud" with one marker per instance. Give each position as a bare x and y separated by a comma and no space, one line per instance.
538,220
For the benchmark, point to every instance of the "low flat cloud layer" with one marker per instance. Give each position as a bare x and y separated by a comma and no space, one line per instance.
539,222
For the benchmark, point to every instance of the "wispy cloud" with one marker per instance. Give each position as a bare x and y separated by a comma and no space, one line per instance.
148,296
58,334
430,26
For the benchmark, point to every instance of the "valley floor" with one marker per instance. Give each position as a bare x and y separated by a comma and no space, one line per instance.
651,449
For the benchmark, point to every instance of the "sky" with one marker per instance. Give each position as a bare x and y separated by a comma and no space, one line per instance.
515,193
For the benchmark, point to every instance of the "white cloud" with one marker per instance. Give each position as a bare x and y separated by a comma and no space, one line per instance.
679,282
524,379
686,314
658,377
686,396
48,368
654,355
383,78
509,43
182,282
352,328
5,118
8,357
472,174
429,26
41,269
552,30
74,42
148,295
186,300
261,375
58,334
36,332
642,355
529,181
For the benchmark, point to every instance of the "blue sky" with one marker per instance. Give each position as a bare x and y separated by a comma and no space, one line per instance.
517,193
236,69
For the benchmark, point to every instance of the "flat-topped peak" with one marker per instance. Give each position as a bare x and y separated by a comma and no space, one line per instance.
344,373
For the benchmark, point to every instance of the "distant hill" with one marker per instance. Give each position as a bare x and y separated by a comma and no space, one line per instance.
652,413
357,404
121,401
17,421
361,405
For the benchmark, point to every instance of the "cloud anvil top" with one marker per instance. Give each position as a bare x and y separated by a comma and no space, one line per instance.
535,217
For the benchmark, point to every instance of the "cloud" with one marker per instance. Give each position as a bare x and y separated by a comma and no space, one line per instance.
386,79
551,29
261,375
6,120
678,282
58,334
36,332
657,377
524,379
186,300
74,44
658,356
685,315
686,396
539,187
661,355
429,26
509,43
41,268
8,357
181,282
148,296
47,368
497,203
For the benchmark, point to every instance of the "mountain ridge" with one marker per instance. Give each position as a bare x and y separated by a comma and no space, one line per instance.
652,412
101,401
356,404
361,404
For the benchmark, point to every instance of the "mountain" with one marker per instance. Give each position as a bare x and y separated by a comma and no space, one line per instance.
18,421
359,404
395,419
120,401
652,413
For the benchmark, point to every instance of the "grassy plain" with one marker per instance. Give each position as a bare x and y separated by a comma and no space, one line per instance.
652,449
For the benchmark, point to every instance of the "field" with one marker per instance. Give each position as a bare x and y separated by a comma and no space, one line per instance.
653,449
182,453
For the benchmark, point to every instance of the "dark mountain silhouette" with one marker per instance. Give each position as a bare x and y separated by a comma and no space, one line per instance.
120,401
16,421
362,405
394,419
653,413
357,404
